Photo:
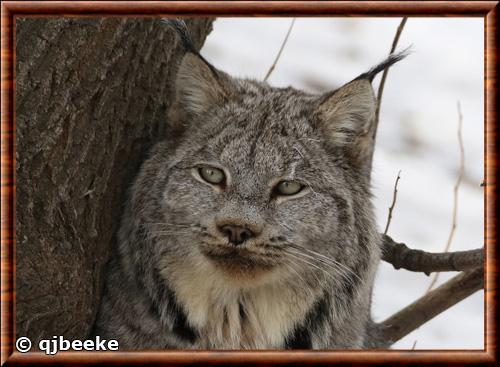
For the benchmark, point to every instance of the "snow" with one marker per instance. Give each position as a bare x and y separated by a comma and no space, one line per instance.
417,134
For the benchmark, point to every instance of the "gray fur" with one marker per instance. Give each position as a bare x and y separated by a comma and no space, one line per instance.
305,280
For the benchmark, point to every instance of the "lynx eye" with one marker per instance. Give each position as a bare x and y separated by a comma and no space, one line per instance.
288,188
212,175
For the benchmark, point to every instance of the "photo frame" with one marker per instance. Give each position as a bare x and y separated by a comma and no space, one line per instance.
12,9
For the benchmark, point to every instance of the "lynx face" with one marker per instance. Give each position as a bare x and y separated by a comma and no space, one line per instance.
261,185
257,189
251,225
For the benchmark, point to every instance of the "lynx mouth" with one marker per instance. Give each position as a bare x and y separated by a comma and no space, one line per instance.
238,260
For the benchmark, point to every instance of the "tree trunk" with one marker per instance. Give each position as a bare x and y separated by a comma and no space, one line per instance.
91,99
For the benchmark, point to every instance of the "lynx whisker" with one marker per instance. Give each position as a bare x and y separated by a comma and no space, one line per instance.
330,265
298,151
176,225
290,267
318,281
333,267
322,270
326,258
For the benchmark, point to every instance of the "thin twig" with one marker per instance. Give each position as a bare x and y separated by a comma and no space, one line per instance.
455,191
427,307
391,208
402,257
280,51
384,74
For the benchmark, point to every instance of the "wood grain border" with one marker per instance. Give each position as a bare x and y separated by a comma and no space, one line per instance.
486,9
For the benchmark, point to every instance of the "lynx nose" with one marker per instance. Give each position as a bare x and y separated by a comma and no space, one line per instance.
236,234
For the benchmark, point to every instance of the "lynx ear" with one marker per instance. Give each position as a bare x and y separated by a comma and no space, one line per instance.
347,113
200,87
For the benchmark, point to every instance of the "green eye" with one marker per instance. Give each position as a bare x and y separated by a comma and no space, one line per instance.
288,188
212,175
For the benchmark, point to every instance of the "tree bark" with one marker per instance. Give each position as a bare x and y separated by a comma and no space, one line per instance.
91,99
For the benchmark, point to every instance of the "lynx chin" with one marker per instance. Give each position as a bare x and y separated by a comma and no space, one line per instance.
251,226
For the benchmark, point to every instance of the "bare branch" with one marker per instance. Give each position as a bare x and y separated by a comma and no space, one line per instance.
391,208
455,191
427,307
271,69
402,257
384,74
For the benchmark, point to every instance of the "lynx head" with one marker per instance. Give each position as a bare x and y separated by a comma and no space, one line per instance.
261,184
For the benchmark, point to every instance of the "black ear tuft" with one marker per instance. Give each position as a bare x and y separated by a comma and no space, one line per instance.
181,28
182,31
388,62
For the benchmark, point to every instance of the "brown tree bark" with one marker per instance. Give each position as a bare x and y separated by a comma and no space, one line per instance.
91,99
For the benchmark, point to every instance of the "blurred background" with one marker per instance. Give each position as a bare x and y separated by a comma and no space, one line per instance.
417,134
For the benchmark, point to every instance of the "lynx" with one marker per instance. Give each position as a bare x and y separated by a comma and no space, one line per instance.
251,226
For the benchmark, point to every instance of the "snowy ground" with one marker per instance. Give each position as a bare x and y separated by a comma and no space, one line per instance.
417,133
